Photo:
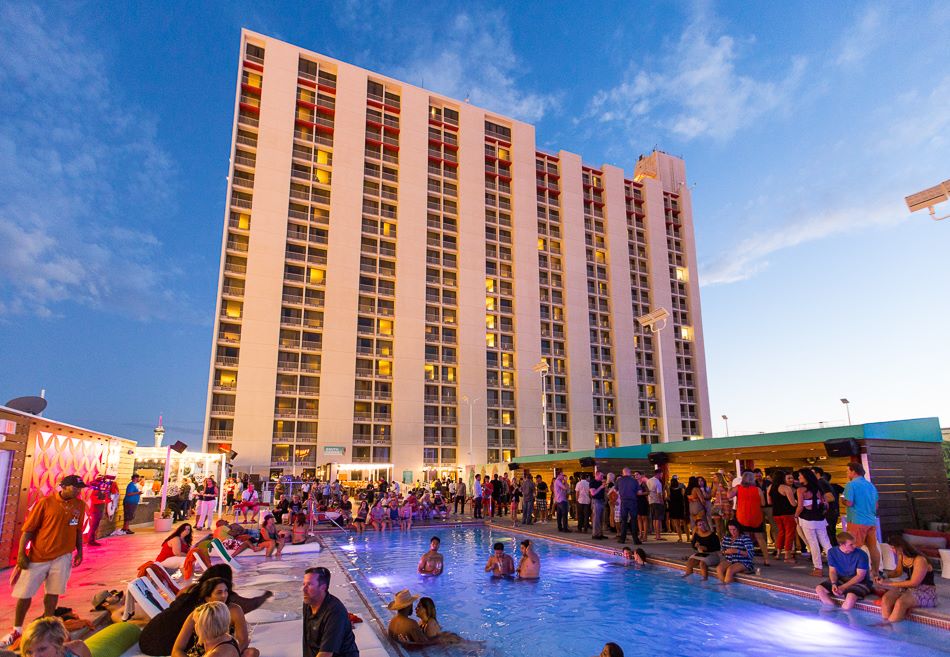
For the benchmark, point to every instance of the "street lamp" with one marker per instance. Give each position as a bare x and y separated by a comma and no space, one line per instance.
471,417
847,406
726,418
656,322
542,368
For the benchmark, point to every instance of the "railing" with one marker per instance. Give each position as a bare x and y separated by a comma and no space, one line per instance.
227,361
220,409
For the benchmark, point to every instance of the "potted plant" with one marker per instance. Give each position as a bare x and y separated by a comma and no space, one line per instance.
162,520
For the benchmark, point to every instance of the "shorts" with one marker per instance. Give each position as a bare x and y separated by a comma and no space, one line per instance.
859,590
710,559
861,532
752,530
657,511
925,595
54,574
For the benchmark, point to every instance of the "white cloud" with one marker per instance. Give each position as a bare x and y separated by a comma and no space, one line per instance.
696,91
81,176
864,36
475,59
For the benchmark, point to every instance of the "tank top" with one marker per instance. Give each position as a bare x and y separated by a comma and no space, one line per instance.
780,504
748,506
812,509
167,551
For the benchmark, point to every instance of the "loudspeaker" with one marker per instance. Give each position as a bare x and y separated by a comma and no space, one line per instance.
587,462
659,458
842,447
514,466
179,447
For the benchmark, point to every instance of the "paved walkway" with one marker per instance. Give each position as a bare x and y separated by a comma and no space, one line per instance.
780,576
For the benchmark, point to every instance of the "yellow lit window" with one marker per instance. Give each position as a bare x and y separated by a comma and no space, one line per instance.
448,316
306,133
430,373
506,379
317,276
601,257
384,368
253,80
384,350
244,221
608,388
490,339
506,418
305,94
506,360
651,391
490,303
489,285
490,321
228,378
558,313
388,229
503,154
541,244
449,373
686,332
682,274
386,327
280,425
303,113
322,176
323,157
233,309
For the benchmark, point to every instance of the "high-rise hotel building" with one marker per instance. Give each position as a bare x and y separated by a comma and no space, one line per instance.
408,280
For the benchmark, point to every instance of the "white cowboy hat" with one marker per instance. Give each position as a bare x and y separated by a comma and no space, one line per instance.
402,600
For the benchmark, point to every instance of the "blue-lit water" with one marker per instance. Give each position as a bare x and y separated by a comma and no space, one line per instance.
584,600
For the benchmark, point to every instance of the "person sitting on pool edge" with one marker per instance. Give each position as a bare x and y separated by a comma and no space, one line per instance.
402,628
431,562
737,549
530,565
500,564
849,574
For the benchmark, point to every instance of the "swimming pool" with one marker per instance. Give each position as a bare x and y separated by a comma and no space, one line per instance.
584,600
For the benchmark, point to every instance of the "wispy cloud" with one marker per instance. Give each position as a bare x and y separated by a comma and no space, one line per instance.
861,38
905,151
81,177
475,59
697,91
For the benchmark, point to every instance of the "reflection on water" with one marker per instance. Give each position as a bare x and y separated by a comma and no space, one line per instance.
579,604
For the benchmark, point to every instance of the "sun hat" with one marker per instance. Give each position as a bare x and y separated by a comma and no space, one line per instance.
401,600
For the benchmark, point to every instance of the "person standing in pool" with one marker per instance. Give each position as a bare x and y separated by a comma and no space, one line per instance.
530,565
500,564
431,562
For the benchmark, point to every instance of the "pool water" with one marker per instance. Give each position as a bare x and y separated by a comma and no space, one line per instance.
585,599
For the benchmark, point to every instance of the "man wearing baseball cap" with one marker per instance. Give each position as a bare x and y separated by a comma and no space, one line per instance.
53,529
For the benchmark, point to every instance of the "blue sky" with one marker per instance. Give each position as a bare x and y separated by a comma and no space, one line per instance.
803,126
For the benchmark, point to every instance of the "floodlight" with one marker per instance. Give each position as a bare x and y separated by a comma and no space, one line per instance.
928,198
652,318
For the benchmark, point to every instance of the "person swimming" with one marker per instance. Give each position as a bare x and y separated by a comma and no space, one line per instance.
530,565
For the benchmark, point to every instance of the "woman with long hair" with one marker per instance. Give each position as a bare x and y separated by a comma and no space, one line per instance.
696,501
175,548
428,621
189,643
918,590
782,497
810,512
360,520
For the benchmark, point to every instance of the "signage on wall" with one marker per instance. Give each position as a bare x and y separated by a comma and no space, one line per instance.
334,450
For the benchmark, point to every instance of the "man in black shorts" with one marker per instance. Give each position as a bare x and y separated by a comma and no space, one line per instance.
327,630
848,573
541,499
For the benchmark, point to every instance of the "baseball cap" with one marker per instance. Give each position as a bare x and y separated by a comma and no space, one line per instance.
73,480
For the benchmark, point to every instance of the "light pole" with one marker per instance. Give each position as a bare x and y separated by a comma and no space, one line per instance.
656,322
471,420
542,368
726,418
847,406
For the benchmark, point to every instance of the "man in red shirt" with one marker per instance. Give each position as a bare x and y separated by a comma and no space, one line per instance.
53,529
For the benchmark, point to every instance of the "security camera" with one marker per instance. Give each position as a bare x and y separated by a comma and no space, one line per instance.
928,198
653,317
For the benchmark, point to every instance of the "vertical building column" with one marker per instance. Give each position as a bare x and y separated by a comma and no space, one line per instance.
622,319
579,378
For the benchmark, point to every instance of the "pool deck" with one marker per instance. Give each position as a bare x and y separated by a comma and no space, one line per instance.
793,579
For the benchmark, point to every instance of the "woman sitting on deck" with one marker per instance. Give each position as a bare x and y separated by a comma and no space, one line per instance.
707,547
737,549
918,590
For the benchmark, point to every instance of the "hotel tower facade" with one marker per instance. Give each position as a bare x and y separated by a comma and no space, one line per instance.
408,283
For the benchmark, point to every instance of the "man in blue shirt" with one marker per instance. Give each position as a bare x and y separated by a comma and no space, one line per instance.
848,575
627,489
133,493
860,498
